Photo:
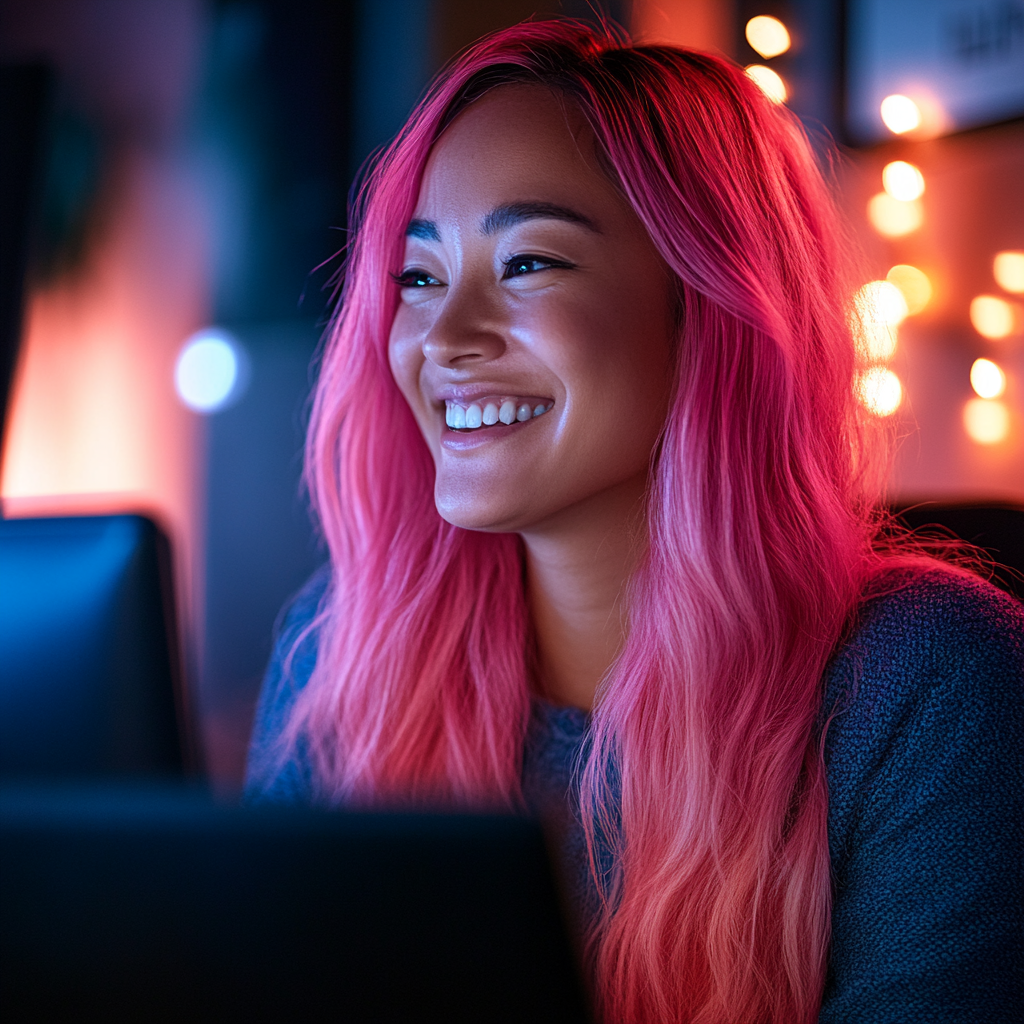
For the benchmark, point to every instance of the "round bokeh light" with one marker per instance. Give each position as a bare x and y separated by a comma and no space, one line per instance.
209,372
987,378
986,420
769,82
767,35
880,391
900,114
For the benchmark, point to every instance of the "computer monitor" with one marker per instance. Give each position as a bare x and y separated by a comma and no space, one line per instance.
89,683
160,905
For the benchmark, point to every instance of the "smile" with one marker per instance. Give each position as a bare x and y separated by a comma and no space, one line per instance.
489,412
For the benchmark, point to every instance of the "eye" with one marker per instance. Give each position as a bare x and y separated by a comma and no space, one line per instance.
517,266
413,278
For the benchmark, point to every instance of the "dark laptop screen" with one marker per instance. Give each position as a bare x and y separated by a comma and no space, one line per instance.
160,905
87,653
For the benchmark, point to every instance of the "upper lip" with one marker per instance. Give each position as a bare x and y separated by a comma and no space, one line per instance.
466,393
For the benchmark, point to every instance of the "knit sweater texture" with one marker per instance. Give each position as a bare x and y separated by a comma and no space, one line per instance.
924,755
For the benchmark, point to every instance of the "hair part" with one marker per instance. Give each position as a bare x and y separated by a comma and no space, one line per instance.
705,770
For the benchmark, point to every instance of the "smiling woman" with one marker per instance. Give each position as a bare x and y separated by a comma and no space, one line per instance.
531,288
600,503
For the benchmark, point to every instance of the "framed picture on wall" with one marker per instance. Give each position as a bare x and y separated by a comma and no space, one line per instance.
961,62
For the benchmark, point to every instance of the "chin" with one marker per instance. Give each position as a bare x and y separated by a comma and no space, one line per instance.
474,514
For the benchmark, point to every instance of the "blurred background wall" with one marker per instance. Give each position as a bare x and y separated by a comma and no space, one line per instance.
198,161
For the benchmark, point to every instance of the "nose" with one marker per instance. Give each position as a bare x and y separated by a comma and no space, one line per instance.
469,328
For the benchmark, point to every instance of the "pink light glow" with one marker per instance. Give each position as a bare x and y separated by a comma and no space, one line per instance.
95,426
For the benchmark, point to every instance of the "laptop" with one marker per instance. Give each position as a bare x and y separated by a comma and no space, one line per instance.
148,903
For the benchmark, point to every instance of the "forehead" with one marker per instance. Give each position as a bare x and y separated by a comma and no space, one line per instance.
516,143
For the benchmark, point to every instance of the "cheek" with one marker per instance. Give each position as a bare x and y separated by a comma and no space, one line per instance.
619,369
615,352
405,357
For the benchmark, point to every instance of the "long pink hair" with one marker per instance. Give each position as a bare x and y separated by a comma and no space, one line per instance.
705,771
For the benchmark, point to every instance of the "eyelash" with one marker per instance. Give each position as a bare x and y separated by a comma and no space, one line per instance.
548,264
402,279
406,279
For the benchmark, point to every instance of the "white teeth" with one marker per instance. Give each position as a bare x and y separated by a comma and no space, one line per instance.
488,413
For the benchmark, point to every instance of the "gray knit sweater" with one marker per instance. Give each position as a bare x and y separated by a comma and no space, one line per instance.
926,804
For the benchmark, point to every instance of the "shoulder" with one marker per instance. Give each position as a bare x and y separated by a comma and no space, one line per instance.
935,664
926,631
939,605
924,706
938,653
300,611
292,661
296,638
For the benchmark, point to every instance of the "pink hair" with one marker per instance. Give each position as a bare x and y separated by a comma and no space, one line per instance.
706,768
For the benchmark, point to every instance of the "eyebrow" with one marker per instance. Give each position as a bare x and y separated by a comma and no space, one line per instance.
503,217
515,213
425,229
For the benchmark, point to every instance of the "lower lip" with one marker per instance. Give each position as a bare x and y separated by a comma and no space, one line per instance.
460,441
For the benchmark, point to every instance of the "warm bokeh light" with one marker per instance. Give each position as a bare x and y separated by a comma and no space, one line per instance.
880,308
993,317
1008,270
914,283
769,82
880,391
767,35
986,421
894,217
987,379
903,181
900,114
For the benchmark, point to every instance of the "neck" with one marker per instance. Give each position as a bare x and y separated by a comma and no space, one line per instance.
576,571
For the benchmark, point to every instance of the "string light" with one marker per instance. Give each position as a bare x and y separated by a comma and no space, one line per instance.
880,391
987,379
770,83
1008,270
894,217
880,308
914,283
992,317
900,114
903,181
767,35
986,421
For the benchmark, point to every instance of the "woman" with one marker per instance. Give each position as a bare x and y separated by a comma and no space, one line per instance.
599,503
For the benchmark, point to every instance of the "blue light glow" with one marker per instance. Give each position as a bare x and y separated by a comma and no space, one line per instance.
208,375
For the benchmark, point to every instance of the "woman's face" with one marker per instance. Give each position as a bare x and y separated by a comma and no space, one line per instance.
533,338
